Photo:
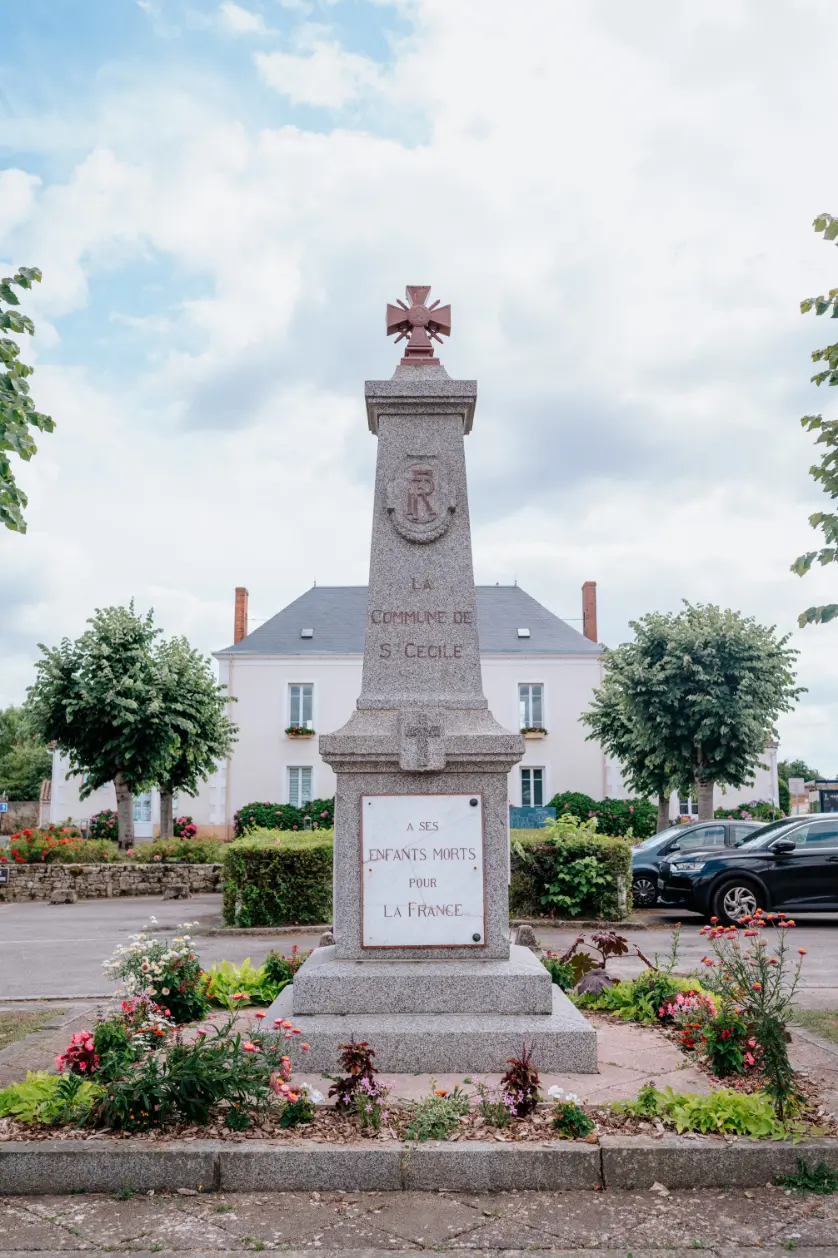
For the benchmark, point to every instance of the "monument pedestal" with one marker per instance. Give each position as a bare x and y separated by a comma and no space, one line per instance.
444,1041
422,967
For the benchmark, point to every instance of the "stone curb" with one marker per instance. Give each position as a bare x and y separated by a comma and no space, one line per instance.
634,1162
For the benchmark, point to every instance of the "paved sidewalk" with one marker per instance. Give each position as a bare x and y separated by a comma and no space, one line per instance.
765,1221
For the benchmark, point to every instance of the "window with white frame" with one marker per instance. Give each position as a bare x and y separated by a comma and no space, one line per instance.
299,785
142,809
530,706
301,705
532,788
688,807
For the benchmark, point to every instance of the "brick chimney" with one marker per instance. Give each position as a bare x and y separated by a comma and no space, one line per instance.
589,610
240,620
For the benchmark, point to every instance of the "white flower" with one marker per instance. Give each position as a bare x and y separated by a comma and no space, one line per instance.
165,991
555,1092
316,1098
571,1096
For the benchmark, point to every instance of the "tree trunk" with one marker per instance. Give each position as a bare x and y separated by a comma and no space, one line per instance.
663,812
705,800
124,812
166,814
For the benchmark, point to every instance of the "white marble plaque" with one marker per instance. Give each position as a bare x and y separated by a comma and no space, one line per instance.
422,878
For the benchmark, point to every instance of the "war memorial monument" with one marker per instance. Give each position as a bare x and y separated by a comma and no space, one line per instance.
422,965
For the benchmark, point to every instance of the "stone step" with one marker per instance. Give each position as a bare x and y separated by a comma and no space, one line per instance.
448,1042
326,985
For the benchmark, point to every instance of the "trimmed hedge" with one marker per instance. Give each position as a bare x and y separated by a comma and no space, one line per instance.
534,867
614,816
270,881
268,816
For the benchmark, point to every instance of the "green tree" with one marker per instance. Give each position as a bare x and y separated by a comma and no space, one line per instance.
825,472
201,732
613,724
24,760
797,769
701,690
100,700
17,411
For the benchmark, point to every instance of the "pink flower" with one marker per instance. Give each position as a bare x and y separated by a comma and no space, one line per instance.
260,1014
250,1048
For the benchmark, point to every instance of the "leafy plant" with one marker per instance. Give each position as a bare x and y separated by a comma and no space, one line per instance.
232,986
724,1111
170,973
759,985
561,971
49,1099
568,868
521,1082
493,1106
297,1112
180,851
569,1119
187,1080
437,1115
273,879
281,969
17,410
369,1102
267,816
104,825
727,1044
356,1060
820,1179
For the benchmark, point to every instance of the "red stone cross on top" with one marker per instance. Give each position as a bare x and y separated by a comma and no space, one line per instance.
419,322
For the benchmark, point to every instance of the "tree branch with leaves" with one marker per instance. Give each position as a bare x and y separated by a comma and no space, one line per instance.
825,472
18,416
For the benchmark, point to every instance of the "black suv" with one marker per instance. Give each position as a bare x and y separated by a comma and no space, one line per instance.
695,836
789,864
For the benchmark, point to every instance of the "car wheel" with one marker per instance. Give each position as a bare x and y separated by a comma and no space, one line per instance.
736,899
644,891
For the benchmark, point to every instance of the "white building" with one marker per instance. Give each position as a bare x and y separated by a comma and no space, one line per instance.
303,668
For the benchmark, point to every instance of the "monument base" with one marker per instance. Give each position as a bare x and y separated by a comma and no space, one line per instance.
325,984
444,1043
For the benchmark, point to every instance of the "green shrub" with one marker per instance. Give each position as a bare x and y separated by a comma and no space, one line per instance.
756,810
104,825
281,969
86,852
182,851
268,816
639,999
232,986
49,1099
437,1115
572,870
278,881
616,817
724,1111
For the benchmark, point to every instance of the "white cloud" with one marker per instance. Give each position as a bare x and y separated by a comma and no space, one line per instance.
326,76
618,207
239,21
17,192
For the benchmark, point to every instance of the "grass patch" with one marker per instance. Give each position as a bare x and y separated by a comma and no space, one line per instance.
823,1022
820,1179
17,1024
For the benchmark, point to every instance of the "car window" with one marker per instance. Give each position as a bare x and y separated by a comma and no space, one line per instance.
825,832
741,832
702,836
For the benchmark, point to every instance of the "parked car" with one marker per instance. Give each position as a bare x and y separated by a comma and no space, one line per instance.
790,864
695,836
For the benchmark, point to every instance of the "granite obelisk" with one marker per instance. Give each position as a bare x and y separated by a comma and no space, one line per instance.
422,965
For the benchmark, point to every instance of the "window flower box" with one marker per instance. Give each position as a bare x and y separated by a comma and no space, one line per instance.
299,731
534,731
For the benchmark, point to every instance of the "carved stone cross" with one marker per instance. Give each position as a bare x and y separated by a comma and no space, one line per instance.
419,322
422,746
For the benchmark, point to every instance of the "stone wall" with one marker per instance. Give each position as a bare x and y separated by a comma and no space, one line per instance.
21,813
96,882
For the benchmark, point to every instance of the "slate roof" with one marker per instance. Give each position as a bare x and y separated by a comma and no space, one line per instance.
337,614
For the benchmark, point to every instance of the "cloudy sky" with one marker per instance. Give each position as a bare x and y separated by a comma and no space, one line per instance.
615,198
